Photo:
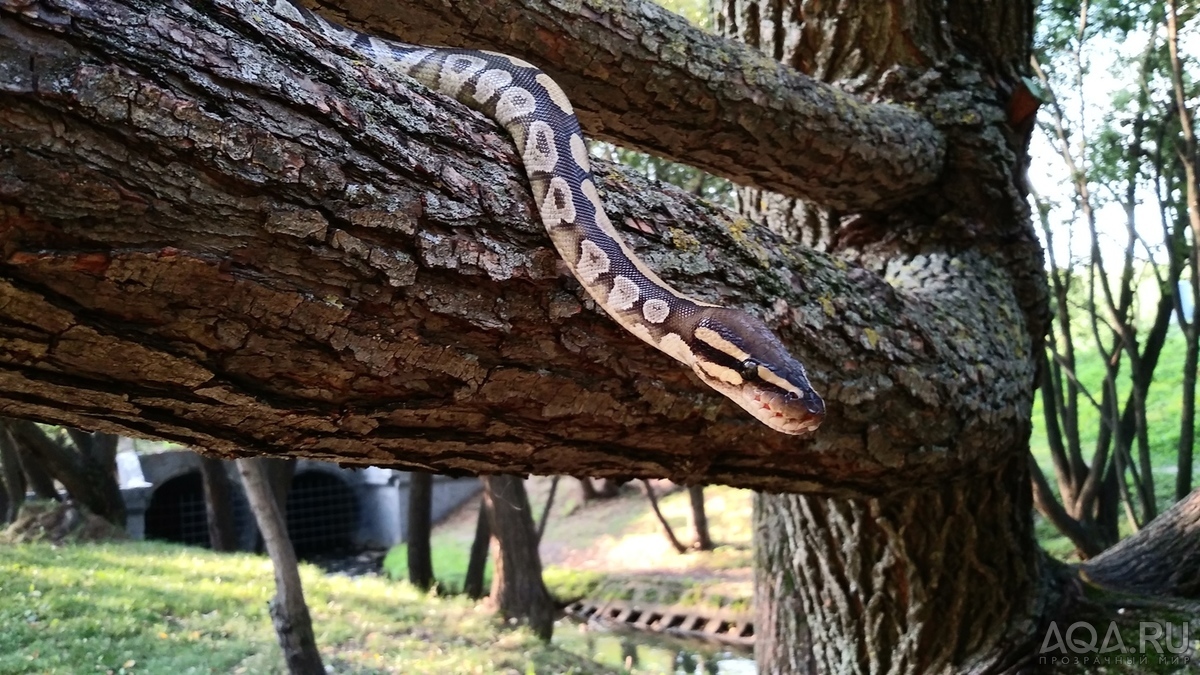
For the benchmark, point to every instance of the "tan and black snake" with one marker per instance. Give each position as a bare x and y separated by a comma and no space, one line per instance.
728,349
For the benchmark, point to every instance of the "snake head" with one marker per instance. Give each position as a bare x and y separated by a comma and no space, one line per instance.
737,355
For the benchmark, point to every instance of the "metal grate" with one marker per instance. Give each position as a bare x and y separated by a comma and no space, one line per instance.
176,512
322,513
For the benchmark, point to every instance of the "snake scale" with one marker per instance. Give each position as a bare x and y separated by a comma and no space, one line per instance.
728,349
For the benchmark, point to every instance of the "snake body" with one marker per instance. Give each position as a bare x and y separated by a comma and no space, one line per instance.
728,349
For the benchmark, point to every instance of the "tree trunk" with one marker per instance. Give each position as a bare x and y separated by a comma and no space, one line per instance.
13,477
477,564
876,585
946,578
1163,558
88,474
420,527
218,504
517,588
289,612
544,518
670,533
699,519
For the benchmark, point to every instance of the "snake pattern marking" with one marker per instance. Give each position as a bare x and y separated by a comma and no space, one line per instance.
728,349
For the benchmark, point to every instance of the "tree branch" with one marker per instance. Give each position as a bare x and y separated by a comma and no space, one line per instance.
217,232
642,77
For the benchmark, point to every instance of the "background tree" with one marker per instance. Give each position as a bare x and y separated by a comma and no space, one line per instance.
289,611
85,464
218,504
1116,288
517,588
420,527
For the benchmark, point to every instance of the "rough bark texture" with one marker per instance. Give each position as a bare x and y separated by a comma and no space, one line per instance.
87,477
420,527
643,77
289,612
517,588
218,504
1163,558
921,579
292,254
927,581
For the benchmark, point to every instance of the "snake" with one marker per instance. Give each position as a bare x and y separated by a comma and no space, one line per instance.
729,349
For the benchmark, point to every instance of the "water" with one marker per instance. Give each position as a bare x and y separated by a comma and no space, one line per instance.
644,653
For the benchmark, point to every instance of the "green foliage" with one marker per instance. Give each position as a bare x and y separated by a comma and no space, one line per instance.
152,608
687,178
695,11
450,560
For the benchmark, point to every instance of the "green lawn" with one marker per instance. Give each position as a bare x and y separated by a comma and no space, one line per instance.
140,607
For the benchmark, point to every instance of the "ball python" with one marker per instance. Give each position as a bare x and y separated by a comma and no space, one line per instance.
728,349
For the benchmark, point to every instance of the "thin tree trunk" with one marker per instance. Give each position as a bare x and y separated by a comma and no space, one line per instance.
13,477
699,519
289,612
477,564
218,504
419,530
517,588
679,547
545,517
92,483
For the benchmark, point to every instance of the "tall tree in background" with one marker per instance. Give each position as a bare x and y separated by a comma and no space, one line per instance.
1114,294
295,252
218,504
419,530
517,587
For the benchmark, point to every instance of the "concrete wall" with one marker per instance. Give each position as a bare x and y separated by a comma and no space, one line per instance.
381,494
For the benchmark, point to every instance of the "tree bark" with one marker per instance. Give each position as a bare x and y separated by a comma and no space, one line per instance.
218,504
517,588
849,577
704,541
876,585
358,278
1163,558
88,477
719,119
420,527
477,563
289,612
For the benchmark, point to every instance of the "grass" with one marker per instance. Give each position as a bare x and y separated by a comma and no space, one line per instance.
141,607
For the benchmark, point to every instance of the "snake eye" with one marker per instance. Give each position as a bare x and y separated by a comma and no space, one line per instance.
791,397
749,369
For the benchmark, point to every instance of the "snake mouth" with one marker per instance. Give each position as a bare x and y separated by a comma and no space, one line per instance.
784,414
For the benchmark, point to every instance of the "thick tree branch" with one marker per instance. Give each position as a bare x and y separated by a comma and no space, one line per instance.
643,77
218,233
